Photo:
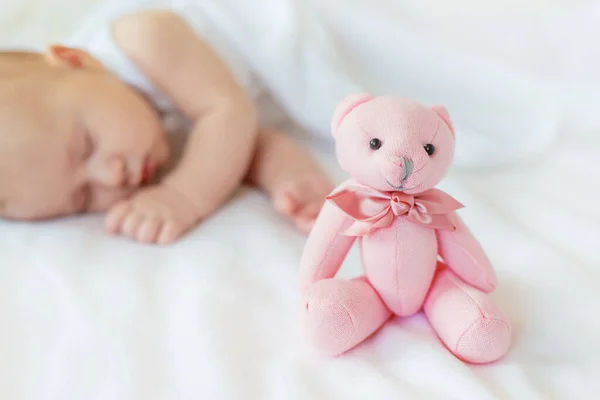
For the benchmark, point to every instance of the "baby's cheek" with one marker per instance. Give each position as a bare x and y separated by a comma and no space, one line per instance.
24,210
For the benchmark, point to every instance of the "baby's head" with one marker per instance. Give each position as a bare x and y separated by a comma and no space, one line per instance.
73,138
393,144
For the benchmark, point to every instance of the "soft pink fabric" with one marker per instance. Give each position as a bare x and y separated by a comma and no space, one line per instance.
403,225
466,320
400,262
466,257
347,105
443,113
339,314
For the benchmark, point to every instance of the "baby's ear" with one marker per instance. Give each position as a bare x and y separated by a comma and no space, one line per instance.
68,57
443,114
345,107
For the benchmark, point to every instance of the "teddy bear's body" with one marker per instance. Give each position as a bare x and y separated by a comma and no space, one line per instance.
416,252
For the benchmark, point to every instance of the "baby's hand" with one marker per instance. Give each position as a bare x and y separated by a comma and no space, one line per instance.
159,214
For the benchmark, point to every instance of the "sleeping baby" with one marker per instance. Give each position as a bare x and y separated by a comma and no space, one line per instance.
84,129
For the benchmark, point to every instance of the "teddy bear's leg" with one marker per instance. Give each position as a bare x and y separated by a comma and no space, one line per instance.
466,319
339,314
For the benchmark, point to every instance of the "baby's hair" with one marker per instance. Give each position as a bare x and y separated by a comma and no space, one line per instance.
19,55
12,62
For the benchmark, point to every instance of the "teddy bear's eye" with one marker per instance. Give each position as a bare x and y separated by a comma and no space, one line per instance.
429,148
375,144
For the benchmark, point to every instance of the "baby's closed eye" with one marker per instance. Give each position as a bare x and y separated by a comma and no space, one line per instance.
88,146
81,147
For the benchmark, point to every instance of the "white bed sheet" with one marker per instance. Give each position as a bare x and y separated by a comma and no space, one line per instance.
85,316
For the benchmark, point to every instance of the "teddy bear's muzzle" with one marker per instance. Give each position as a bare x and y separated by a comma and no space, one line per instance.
398,171
407,168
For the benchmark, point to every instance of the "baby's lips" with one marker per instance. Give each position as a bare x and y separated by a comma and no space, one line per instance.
148,171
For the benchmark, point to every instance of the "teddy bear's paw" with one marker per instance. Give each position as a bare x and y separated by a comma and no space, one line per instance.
487,340
339,314
467,320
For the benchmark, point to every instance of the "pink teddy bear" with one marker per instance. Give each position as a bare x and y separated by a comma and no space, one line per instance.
417,253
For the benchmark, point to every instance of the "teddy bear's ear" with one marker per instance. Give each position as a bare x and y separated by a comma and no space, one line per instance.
443,113
345,107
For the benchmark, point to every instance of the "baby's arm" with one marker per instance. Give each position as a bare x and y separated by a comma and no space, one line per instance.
223,137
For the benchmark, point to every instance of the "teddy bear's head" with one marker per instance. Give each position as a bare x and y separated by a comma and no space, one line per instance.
393,144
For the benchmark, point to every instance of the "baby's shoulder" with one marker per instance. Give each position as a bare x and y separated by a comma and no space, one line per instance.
97,37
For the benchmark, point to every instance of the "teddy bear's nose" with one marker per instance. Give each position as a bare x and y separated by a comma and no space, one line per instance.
407,167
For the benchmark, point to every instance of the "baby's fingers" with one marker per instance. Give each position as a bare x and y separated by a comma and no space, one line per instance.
115,217
149,229
170,232
132,223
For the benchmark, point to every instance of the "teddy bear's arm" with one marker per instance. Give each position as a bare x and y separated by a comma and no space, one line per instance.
465,256
326,248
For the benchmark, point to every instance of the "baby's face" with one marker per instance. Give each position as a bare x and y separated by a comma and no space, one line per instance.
72,137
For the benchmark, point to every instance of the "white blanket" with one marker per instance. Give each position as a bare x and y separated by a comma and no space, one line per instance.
509,78
85,316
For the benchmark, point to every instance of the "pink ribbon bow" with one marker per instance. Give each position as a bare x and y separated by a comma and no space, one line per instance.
373,209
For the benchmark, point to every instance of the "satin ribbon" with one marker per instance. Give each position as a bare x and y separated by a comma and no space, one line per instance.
372,209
